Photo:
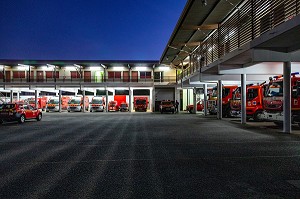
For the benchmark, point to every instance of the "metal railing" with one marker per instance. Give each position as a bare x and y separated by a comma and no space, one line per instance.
252,19
69,79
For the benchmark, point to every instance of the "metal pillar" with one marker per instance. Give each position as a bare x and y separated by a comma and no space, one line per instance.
59,101
195,100
106,97
36,99
83,103
243,99
130,101
287,97
18,96
219,104
153,99
11,95
205,99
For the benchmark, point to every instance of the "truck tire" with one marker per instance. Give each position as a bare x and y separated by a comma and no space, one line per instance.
255,116
21,119
39,117
47,111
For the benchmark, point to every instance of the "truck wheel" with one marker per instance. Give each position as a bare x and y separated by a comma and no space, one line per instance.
21,119
190,111
39,117
47,111
255,116
69,111
91,110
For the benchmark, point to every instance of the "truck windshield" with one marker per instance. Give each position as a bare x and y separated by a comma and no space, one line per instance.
225,92
237,94
214,92
53,101
276,89
123,105
75,101
96,101
140,102
112,104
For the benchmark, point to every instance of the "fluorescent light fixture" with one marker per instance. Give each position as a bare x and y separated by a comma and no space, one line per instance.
77,65
164,68
23,65
50,65
116,68
140,68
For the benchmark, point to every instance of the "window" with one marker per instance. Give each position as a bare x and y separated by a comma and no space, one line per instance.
114,75
52,74
75,75
18,74
252,93
158,77
145,75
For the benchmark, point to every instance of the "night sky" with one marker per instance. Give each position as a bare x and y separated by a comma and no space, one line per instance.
85,30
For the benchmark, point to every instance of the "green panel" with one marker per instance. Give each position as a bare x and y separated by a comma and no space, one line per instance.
99,75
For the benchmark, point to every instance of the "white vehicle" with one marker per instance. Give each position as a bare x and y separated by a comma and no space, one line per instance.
97,104
76,104
53,104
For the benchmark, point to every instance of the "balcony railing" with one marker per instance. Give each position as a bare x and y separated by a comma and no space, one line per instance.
69,79
252,19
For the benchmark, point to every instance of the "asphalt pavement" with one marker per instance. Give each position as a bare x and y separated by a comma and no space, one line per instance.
146,155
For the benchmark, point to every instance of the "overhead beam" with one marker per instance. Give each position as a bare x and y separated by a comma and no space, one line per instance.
190,44
202,27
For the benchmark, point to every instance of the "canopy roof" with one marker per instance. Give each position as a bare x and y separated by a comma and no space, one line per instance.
198,19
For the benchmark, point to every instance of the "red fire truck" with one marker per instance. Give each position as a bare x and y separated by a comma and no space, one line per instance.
42,102
113,106
254,101
140,103
273,100
227,92
190,107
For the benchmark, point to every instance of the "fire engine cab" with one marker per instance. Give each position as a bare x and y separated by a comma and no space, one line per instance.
254,101
273,100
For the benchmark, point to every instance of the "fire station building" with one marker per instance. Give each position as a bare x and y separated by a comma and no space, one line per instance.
213,43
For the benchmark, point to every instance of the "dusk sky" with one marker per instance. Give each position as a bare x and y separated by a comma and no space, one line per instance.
85,30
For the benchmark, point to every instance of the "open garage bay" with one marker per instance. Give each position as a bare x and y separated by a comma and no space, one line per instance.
146,155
